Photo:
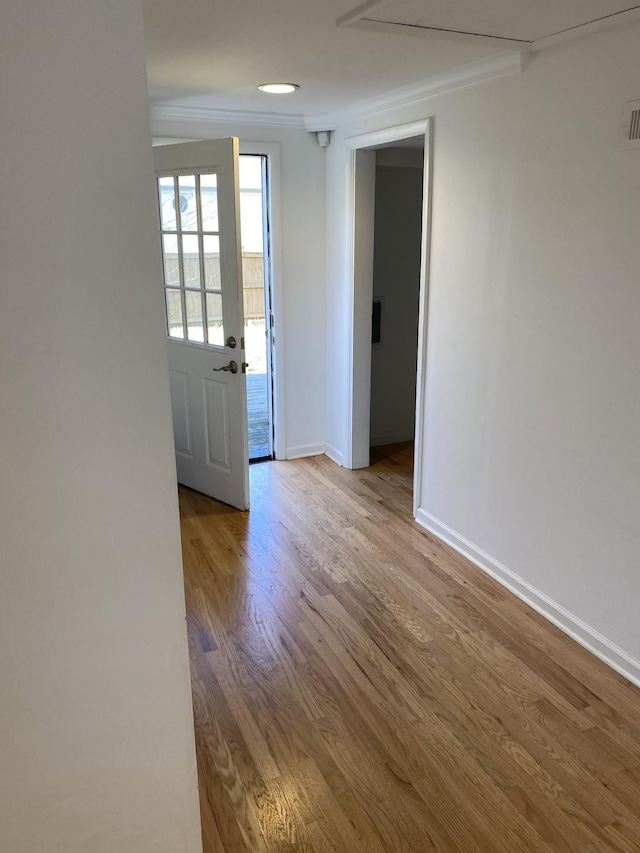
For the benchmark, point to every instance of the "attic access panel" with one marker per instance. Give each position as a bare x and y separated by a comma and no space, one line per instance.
519,20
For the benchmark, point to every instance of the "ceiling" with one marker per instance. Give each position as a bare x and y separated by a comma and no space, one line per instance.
213,54
524,21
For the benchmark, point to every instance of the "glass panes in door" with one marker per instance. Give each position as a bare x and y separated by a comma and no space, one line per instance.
189,223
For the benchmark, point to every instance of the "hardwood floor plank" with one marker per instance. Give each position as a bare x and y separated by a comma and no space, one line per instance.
359,686
223,758
281,819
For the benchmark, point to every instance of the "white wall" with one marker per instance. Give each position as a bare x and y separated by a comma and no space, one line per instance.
396,282
532,405
96,731
300,333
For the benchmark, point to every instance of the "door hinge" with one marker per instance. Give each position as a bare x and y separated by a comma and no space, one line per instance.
272,321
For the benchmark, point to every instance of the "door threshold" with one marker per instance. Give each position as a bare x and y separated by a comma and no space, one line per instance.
261,459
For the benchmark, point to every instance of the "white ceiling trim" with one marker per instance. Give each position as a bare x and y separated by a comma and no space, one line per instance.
168,112
358,19
439,84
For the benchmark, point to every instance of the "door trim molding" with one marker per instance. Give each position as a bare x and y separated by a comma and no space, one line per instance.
389,134
271,150
357,435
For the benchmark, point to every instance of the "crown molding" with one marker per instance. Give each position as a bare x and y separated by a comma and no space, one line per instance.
324,121
174,113
502,65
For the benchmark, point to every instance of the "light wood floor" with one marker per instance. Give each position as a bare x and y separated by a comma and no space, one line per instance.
358,686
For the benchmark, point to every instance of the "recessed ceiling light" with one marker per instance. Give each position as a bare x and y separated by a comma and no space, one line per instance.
278,88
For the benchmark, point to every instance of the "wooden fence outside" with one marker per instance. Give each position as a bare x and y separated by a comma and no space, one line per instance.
253,285
252,277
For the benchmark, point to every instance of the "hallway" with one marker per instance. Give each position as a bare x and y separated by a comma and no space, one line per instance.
359,686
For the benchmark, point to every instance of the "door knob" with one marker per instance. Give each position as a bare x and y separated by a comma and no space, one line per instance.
232,367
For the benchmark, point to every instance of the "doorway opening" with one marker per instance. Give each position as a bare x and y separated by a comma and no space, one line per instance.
258,299
396,297
390,249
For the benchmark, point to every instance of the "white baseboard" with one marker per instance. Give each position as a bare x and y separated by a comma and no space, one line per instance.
582,633
334,454
303,450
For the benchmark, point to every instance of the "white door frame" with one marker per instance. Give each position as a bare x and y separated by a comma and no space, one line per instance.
361,294
271,150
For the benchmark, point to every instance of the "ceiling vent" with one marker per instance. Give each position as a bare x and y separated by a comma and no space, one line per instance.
631,125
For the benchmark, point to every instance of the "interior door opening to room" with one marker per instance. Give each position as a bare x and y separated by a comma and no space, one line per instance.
396,295
391,209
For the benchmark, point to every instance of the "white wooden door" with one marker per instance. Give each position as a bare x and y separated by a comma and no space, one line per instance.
198,192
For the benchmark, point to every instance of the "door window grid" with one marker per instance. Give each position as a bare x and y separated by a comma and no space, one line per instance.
191,257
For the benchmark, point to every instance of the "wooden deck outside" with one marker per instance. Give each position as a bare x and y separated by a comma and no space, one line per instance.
258,412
